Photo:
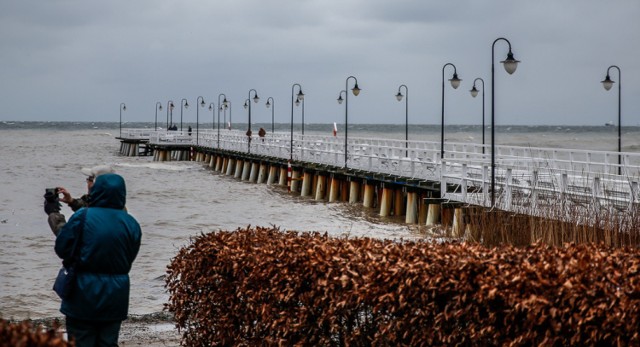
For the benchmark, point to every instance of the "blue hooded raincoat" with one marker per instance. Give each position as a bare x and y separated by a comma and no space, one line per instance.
110,243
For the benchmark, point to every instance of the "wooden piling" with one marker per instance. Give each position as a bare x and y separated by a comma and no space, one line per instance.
354,192
321,187
246,170
282,181
433,214
398,203
334,189
369,195
411,216
386,201
239,166
307,181
457,227
295,180
273,173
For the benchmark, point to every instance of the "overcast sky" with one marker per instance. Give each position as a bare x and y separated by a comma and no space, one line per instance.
79,59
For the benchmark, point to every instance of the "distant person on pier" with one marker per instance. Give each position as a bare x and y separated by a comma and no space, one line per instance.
102,241
262,133
189,131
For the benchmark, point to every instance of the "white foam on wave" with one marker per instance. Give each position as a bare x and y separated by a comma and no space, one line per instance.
160,166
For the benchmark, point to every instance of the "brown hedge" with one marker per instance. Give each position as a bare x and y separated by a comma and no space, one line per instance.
26,334
262,286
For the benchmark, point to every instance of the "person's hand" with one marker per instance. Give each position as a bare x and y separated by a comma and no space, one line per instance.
66,196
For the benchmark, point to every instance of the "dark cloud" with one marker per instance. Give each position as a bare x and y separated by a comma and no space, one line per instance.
76,59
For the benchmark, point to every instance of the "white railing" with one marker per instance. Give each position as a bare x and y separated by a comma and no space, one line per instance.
526,177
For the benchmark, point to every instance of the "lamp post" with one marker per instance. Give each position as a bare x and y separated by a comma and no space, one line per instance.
184,103
298,102
474,93
607,84
202,103
123,107
225,114
158,108
221,104
510,65
355,91
455,82
212,108
399,96
269,104
255,99
169,109
300,96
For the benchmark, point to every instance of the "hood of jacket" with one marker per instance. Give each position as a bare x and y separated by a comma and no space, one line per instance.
108,191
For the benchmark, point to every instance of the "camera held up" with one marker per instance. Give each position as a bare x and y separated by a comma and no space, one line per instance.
51,201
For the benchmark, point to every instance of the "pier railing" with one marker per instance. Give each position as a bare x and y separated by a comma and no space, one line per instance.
526,177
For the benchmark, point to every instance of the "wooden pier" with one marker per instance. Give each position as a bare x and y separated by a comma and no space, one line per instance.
408,179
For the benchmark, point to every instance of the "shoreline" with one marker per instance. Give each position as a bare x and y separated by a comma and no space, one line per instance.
153,330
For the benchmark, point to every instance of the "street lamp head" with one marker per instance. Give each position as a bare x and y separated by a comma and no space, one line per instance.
340,99
510,64
256,98
210,107
246,104
225,102
297,102
171,105
356,90
474,91
220,108
300,95
399,96
607,83
186,104
455,81
160,107
202,104
124,107
268,104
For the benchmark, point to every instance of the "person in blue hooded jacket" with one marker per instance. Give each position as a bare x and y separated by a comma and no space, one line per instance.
109,243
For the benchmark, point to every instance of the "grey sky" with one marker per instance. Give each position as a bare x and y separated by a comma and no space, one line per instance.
78,59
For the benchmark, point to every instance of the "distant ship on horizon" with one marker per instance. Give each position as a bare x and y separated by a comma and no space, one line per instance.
608,124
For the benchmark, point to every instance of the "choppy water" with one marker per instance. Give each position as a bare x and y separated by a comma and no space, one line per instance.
177,200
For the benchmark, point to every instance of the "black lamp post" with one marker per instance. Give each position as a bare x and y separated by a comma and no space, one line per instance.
474,93
299,97
202,103
184,103
271,104
221,104
158,108
225,114
355,91
169,110
399,96
298,102
510,65
212,108
255,99
455,82
123,107
607,84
